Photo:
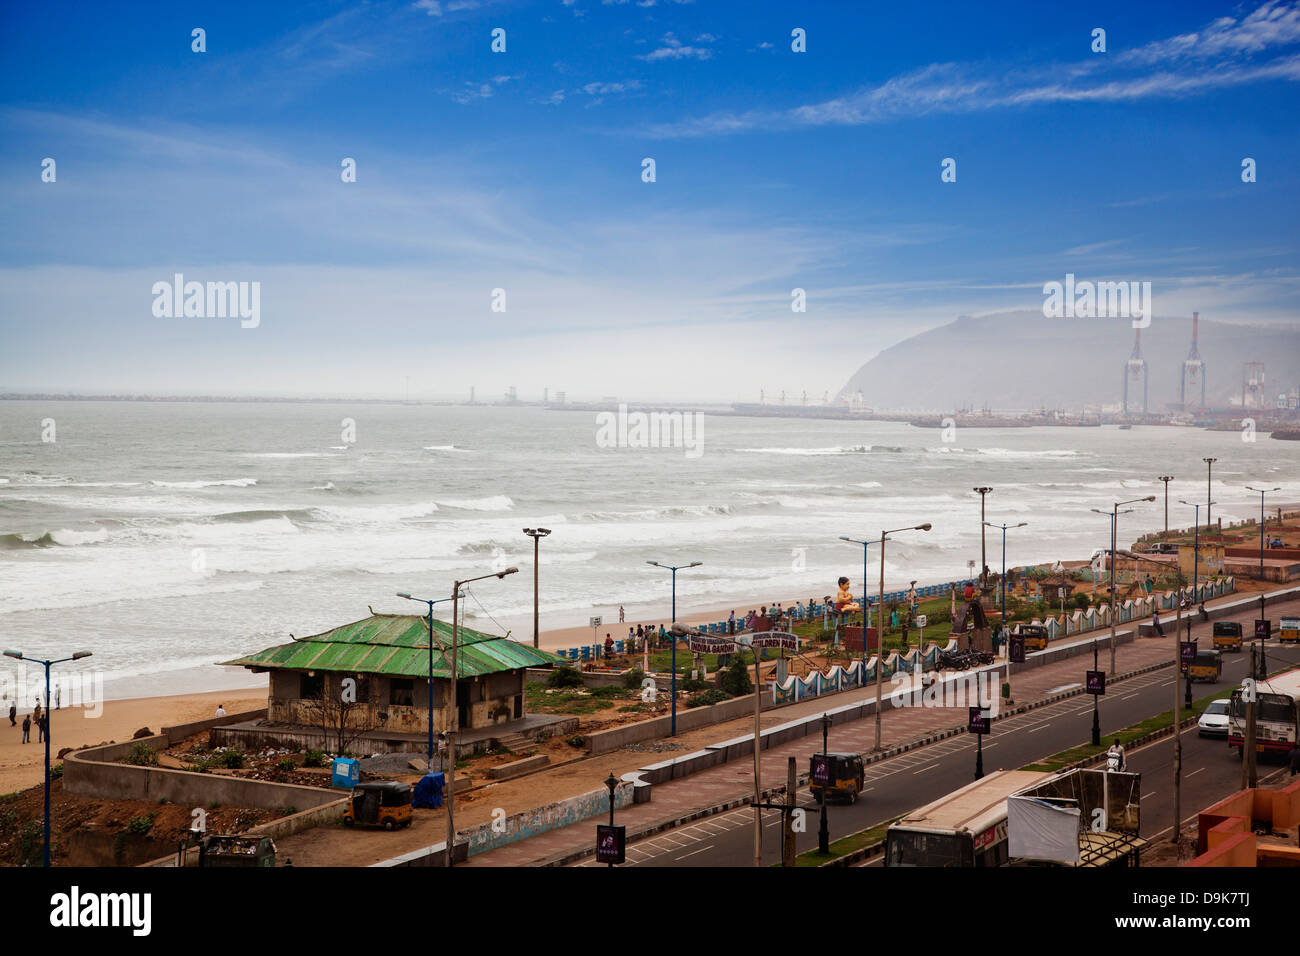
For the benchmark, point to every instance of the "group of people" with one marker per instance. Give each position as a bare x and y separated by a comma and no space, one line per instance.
38,717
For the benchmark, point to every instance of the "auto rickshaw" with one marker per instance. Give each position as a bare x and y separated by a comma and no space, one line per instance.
1208,665
1289,630
835,776
1035,636
1227,636
384,803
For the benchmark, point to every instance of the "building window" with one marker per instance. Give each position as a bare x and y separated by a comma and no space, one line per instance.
311,686
401,693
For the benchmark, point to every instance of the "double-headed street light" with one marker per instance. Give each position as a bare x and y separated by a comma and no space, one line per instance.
454,715
880,631
1262,616
18,655
1114,521
865,545
536,534
674,569
1004,527
432,641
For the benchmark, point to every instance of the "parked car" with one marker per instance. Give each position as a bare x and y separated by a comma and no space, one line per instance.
1214,720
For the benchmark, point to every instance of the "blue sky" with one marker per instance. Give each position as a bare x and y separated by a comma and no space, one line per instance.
522,170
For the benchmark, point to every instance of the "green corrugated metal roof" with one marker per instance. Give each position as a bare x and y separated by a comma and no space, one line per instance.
396,645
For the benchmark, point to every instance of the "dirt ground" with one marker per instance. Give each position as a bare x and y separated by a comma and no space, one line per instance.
89,831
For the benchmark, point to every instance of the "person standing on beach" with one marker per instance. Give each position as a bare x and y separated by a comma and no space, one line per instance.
221,710
13,714
620,615
58,698
36,712
43,727
27,728
731,621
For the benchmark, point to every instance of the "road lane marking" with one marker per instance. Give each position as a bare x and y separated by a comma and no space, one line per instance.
924,769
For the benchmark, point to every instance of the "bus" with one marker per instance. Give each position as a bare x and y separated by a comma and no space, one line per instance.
1277,715
966,828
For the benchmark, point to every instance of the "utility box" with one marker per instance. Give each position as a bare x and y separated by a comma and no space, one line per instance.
347,773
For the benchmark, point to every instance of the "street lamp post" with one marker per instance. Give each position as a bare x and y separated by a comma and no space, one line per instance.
536,534
453,718
1114,521
673,695
1166,479
1096,715
984,564
432,641
824,831
1263,667
1006,631
47,665
865,622
611,782
1209,493
880,641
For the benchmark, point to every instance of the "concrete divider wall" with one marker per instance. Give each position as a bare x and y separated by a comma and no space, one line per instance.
521,826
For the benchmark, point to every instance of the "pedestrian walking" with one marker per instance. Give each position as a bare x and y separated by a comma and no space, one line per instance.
1155,624
36,712
27,728
43,727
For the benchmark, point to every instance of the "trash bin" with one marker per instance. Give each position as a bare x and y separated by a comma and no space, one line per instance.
346,773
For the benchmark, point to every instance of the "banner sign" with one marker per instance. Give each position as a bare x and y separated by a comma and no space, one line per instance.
1187,651
1095,683
1263,629
1016,648
782,639
710,645
611,843
980,721
820,770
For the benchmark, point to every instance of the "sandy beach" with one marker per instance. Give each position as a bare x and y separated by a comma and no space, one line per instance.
20,764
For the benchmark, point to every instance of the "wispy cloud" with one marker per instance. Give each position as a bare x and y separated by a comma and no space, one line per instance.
674,49
1228,52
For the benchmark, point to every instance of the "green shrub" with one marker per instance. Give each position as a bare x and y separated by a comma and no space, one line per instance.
1080,601
633,678
140,825
232,759
609,690
714,696
313,758
141,755
735,679
577,740
564,677
286,764
693,684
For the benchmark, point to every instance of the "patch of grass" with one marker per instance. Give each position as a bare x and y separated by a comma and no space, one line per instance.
844,846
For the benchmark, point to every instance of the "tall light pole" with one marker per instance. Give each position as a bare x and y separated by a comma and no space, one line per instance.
1263,667
1209,492
46,730
1004,528
1114,521
453,721
880,633
432,641
668,567
982,491
1166,479
536,534
864,544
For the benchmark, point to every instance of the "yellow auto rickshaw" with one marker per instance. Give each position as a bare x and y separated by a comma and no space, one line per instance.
1227,636
1290,630
835,776
385,803
1035,636
1208,665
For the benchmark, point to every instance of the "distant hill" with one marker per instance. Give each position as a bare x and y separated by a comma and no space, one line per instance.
1021,360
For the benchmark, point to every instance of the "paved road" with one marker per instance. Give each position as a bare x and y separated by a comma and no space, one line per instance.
902,783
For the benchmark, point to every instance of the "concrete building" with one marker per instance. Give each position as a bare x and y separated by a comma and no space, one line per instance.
386,656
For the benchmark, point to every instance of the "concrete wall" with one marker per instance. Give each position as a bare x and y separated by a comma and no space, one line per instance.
94,772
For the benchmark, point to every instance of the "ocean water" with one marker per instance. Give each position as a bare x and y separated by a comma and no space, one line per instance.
169,536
